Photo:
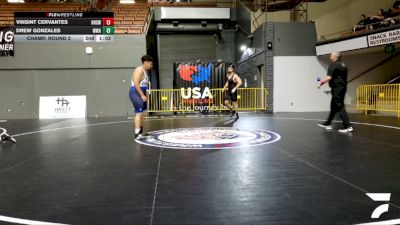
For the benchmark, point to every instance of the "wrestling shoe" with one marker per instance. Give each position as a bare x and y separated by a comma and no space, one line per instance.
325,126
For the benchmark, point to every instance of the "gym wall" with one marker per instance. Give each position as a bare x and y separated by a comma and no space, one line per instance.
64,69
296,69
343,14
244,17
260,18
186,47
361,62
291,67
182,48
295,84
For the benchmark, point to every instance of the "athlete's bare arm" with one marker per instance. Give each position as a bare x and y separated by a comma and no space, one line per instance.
226,86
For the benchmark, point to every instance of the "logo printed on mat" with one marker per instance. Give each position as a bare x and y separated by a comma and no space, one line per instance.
208,138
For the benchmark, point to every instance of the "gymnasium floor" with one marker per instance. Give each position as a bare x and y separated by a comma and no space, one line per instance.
92,172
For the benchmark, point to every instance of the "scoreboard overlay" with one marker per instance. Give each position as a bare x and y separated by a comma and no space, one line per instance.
64,26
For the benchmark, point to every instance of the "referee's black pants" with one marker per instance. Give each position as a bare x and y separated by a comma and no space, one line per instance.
337,106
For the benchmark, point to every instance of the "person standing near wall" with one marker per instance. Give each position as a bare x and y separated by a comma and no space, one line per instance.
337,79
233,83
138,93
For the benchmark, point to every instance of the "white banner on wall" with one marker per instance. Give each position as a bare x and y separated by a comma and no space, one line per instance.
195,13
384,38
343,46
61,107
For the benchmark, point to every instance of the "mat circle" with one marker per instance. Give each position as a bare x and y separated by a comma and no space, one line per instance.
208,138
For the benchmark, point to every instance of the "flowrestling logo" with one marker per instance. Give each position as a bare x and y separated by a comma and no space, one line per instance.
381,209
208,138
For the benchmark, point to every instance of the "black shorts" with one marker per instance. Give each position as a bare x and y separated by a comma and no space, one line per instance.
231,97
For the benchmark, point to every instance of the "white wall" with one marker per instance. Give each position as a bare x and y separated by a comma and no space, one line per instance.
295,84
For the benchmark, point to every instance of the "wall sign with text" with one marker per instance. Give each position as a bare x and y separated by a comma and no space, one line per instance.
384,38
6,41
57,107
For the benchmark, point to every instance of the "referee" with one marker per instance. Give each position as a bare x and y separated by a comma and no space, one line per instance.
337,79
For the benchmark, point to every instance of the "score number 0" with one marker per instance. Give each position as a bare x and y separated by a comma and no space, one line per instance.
108,21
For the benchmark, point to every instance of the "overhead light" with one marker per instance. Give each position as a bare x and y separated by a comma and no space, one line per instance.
15,1
243,48
127,1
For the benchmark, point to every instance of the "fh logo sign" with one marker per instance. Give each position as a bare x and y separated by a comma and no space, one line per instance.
63,102
64,108
379,197
53,107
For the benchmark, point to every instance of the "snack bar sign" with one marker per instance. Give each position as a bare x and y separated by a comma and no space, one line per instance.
384,38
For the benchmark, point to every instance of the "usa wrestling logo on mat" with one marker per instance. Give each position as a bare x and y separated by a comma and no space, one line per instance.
208,138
